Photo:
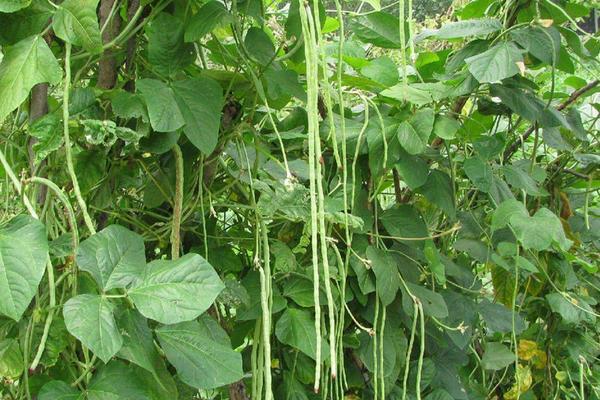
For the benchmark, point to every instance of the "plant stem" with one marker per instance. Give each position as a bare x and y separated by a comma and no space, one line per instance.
68,153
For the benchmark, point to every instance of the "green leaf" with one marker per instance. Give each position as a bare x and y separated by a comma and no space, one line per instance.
378,28
540,231
138,345
25,64
167,52
176,290
498,318
208,17
418,93
301,290
413,135
469,27
9,6
433,303
497,356
259,46
435,263
117,381
505,211
76,22
203,357
11,359
572,310
128,105
479,172
495,64
387,279
202,114
413,170
163,110
23,256
58,390
445,127
296,328
49,134
382,70
115,257
25,22
405,221
521,179
90,319
542,43
439,190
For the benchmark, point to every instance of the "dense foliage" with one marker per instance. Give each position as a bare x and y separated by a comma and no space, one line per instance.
247,199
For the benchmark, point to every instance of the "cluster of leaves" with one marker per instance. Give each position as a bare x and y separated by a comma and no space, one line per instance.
458,166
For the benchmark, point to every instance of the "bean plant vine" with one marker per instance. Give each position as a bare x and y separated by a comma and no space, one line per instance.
299,199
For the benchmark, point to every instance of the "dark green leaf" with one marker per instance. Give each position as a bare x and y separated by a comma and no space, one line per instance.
208,17
115,257
414,134
497,356
387,279
163,109
76,22
23,257
25,64
168,291
296,328
202,360
202,115
495,64
90,319
479,172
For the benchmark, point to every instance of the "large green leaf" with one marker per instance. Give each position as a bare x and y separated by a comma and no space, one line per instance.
138,346
433,303
202,114
117,381
414,134
178,290
495,64
208,17
497,356
90,319
296,328
48,132
25,64
115,257
387,279
58,390
382,70
571,309
479,172
259,46
201,353
23,256
505,211
9,6
167,52
439,190
405,221
542,43
25,22
378,28
11,359
540,231
163,110
413,170
469,27
76,22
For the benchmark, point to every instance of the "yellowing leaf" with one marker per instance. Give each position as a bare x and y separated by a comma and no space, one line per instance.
527,349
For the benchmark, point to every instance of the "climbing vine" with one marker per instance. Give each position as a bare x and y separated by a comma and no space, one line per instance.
247,199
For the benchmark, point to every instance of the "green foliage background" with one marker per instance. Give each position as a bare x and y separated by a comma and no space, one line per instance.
250,199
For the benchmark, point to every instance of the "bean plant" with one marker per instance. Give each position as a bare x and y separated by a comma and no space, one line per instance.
299,199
